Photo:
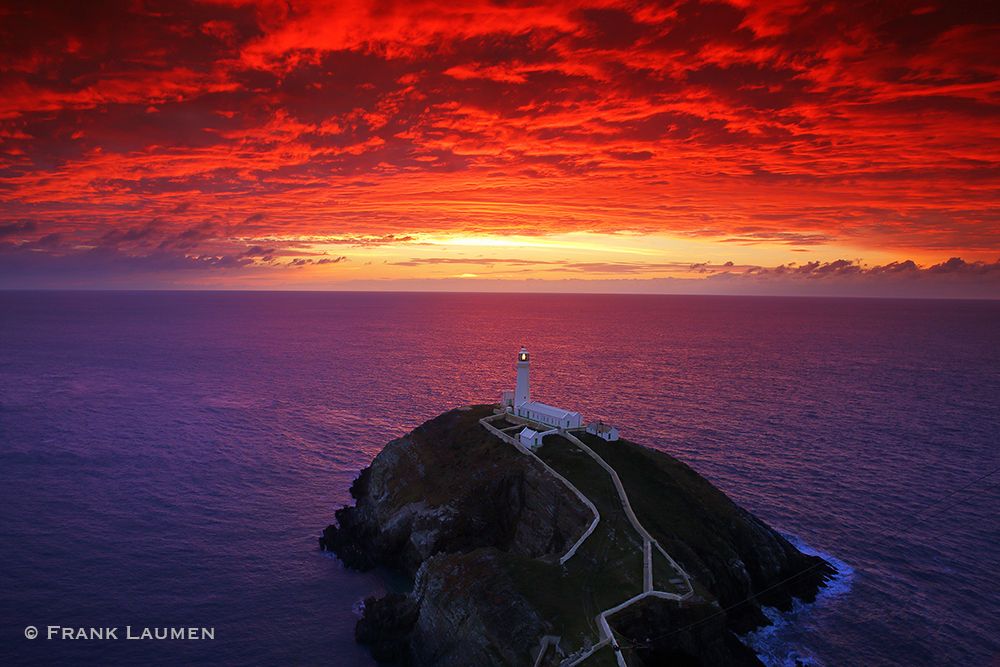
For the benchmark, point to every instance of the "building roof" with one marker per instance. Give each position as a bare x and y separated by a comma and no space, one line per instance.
528,433
549,410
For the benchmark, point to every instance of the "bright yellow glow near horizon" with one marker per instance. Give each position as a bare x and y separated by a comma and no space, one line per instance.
583,255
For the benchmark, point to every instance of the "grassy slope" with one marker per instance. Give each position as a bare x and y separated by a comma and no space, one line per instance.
606,570
674,503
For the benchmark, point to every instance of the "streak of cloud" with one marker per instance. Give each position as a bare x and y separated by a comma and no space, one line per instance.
202,129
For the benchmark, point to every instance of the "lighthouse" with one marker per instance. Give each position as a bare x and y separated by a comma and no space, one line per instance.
519,403
522,390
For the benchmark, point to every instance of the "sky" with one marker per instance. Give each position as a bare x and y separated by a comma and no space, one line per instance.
774,147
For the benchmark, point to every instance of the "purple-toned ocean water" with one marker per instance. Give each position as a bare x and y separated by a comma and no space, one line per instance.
168,459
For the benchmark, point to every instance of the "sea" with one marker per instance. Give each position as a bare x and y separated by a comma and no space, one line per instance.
168,459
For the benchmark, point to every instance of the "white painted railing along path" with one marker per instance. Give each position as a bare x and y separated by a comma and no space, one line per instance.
647,539
604,629
584,499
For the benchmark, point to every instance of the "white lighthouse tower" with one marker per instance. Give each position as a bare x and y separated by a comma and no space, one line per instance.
522,390
519,404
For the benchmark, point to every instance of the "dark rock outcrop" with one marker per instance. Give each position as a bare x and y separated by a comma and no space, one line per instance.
663,633
480,526
450,486
386,626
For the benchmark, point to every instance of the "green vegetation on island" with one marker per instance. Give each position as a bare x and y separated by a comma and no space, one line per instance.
481,526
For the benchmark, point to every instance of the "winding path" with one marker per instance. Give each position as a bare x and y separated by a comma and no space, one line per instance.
647,539
584,499
604,628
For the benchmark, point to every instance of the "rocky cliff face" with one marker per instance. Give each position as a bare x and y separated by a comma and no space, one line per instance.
480,527
449,487
463,610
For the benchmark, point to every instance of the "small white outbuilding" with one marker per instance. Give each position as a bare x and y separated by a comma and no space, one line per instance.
532,439
528,438
602,430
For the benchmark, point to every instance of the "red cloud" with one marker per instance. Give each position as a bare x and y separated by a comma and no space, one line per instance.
771,123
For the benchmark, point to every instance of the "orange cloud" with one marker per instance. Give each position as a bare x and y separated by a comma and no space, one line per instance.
778,125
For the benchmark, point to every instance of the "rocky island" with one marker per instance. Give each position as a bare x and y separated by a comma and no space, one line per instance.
580,551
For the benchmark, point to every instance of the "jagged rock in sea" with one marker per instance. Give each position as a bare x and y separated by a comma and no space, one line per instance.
480,527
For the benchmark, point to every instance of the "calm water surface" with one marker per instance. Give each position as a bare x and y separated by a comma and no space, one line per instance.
167,459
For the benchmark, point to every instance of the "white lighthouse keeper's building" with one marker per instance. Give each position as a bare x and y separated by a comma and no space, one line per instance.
520,404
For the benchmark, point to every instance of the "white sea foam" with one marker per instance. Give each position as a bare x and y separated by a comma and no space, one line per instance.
775,644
